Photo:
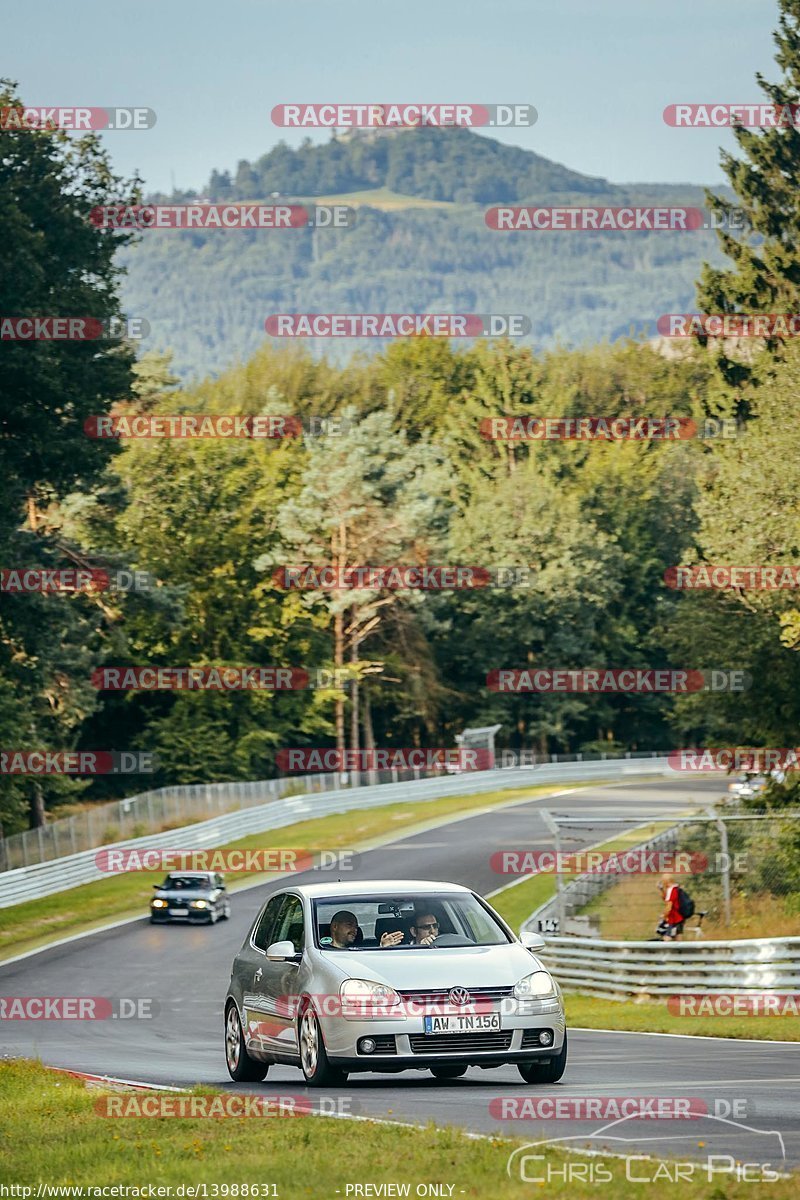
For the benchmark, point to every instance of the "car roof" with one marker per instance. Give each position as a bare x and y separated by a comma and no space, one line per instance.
374,887
193,874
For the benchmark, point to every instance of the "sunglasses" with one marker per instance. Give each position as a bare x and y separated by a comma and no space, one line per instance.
429,925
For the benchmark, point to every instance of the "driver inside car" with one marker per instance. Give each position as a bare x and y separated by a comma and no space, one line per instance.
424,931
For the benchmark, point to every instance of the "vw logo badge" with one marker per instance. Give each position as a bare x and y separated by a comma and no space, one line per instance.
459,996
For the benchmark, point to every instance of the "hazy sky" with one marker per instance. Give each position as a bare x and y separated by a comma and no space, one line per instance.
599,72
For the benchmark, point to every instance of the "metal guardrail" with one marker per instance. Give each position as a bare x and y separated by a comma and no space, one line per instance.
620,970
47,878
178,805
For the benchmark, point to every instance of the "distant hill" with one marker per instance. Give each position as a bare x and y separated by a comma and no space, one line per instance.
439,164
419,244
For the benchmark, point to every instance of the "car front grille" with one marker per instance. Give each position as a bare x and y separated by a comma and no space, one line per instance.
441,995
437,1042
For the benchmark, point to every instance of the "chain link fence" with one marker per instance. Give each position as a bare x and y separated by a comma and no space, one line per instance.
741,869
174,807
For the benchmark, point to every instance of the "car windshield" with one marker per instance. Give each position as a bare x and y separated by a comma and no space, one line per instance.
451,919
186,883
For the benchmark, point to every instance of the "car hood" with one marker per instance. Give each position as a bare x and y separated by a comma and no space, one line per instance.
478,966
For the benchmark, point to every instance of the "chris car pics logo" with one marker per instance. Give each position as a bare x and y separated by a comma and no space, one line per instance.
635,1158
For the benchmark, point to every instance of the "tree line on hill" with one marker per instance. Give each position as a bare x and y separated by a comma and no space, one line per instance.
406,476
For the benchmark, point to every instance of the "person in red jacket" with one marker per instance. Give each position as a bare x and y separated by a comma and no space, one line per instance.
671,923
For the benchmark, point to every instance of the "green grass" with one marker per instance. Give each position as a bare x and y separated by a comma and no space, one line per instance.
652,1016
52,1134
33,923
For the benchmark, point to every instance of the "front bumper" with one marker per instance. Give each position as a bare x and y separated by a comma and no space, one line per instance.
412,1047
193,916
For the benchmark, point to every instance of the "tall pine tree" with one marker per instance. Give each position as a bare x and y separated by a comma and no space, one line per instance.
765,276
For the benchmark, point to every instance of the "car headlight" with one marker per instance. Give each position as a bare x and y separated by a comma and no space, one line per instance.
535,986
367,993
158,903
199,904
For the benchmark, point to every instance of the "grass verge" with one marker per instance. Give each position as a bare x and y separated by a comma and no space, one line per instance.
53,1135
652,1016
34,923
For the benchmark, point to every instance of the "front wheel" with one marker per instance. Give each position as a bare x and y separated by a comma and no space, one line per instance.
241,1067
550,1072
318,1070
445,1072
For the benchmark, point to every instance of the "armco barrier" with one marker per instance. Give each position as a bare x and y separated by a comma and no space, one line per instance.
44,879
621,970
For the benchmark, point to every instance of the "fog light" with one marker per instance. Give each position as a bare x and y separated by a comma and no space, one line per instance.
367,1045
546,1037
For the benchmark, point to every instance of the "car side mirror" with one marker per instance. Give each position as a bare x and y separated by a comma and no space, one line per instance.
283,952
156,885
532,941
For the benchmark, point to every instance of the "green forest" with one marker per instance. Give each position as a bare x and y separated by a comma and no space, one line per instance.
406,477
206,294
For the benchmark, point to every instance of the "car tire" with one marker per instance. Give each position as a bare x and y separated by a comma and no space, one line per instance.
317,1068
550,1072
445,1072
241,1067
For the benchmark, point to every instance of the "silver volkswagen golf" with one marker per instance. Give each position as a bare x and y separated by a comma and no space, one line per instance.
391,975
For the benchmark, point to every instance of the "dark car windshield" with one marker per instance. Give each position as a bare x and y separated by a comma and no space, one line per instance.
453,919
187,883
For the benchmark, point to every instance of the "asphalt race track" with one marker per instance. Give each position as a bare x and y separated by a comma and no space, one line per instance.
186,970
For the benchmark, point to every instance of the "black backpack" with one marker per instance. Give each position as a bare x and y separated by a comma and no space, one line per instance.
685,904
